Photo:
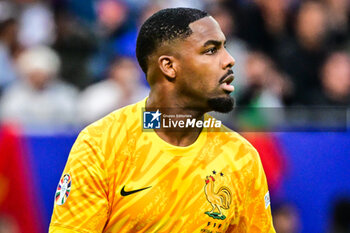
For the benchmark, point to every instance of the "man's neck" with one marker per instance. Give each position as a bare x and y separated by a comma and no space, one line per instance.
174,111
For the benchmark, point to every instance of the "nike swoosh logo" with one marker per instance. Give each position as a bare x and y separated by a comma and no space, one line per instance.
126,193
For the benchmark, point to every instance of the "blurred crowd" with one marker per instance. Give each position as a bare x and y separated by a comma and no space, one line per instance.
69,62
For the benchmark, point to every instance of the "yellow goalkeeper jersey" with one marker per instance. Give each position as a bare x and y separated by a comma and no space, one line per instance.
119,178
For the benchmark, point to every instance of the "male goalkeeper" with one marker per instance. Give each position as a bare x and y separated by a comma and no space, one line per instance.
139,169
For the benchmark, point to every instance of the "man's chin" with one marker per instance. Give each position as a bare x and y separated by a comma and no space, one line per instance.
221,104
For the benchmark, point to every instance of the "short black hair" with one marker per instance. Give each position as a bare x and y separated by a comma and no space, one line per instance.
165,25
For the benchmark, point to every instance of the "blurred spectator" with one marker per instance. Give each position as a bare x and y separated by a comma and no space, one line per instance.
311,25
267,87
125,44
39,99
122,87
338,21
8,44
111,15
274,13
259,105
82,9
335,81
74,44
112,24
36,24
263,24
302,57
286,218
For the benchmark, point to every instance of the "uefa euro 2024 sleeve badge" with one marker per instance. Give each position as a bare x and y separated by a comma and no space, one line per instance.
63,189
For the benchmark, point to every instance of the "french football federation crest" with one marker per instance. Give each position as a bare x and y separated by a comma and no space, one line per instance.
221,199
63,189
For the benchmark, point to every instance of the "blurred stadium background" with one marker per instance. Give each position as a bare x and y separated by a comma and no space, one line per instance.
66,63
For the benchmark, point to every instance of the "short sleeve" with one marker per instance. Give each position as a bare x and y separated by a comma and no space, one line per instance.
255,216
81,203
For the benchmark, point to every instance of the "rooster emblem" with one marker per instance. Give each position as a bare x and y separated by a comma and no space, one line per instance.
220,199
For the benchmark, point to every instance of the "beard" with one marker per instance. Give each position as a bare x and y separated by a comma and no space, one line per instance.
223,104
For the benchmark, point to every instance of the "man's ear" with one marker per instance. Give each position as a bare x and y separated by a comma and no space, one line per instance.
166,65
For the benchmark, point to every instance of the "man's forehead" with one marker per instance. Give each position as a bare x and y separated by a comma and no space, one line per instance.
205,29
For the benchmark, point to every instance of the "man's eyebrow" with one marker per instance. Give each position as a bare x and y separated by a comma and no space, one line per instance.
213,42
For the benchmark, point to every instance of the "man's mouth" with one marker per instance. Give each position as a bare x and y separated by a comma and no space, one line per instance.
226,80
229,73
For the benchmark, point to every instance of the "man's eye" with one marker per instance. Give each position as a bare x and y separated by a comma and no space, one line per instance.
211,51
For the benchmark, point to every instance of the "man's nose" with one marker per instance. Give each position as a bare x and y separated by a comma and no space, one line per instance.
228,61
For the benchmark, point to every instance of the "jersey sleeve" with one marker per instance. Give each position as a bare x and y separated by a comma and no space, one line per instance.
83,207
255,216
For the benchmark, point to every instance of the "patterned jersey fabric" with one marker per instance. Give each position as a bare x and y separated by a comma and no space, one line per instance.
121,179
